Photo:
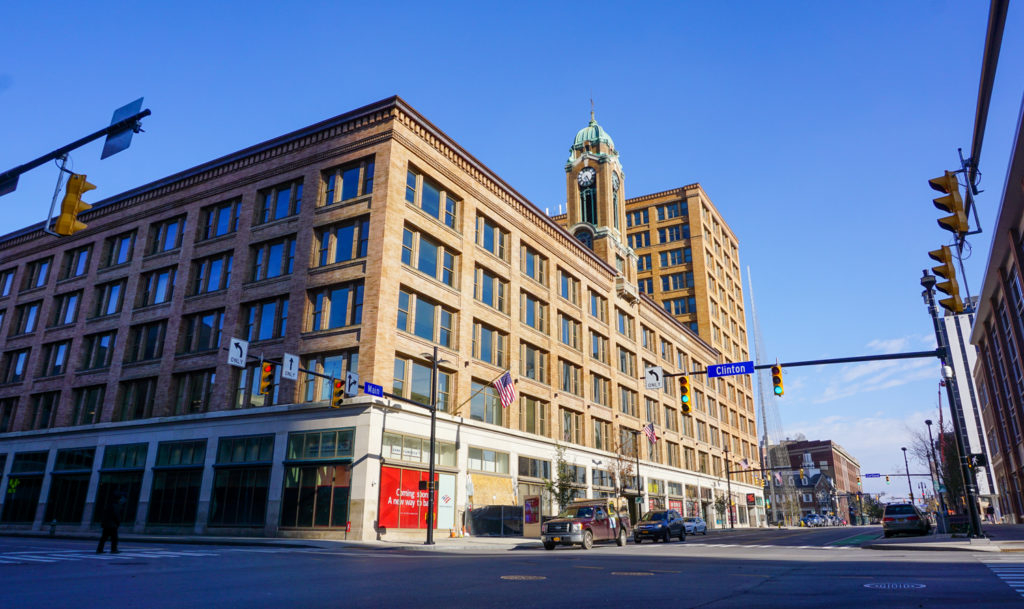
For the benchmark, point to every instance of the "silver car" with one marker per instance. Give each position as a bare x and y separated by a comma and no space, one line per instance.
904,518
694,525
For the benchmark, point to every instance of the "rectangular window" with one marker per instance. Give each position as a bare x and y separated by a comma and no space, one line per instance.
671,419
98,350
6,282
109,298
193,391
137,397
211,274
534,468
490,289
680,306
490,461
646,286
36,273
490,344
639,239
145,342
177,478
117,249
401,447
599,347
65,308
569,287
598,306
348,181
424,318
336,306
534,265
602,436
156,287
55,358
643,262
677,281
201,331
8,406
266,319
335,365
424,193
241,481
44,410
637,218
492,237
412,380
599,389
273,258
279,202
429,257
342,241
75,263
533,312
627,362
651,410
219,219
671,210
624,324
69,482
533,362
570,377
647,338
627,401
166,235
677,232
486,405
26,318
16,365
569,331
247,390
88,404
533,416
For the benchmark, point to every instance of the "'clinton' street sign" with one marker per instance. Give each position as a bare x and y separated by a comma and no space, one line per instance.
730,369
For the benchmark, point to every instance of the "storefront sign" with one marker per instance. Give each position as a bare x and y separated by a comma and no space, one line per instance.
404,506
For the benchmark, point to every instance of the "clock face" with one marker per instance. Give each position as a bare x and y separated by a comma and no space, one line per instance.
586,176
615,181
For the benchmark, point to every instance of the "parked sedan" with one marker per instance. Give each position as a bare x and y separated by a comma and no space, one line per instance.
661,524
904,518
694,525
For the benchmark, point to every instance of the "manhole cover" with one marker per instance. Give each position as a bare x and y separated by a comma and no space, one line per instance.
521,578
894,586
632,573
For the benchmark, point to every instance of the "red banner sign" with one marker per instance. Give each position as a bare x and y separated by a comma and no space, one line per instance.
402,504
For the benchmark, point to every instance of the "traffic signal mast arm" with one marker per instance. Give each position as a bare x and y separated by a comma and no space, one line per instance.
940,353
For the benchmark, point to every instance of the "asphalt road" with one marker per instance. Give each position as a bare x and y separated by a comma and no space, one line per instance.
721,571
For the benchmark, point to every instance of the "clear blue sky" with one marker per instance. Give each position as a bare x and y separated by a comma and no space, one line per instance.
813,126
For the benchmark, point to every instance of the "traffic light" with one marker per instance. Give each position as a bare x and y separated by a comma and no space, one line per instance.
887,479
952,203
777,380
338,393
858,480
67,222
801,472
266,378
684,393
947,272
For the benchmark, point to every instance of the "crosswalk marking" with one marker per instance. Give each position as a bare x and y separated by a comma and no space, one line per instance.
37,557
1011,573
733,545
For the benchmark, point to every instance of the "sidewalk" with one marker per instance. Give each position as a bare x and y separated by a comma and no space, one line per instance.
999,538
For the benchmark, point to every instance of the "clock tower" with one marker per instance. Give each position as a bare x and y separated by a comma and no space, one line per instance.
596,208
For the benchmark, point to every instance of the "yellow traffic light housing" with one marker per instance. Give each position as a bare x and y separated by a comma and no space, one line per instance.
858,480
684,394
67,222
266,378
777,381
947,272
887,479
337,393
951,203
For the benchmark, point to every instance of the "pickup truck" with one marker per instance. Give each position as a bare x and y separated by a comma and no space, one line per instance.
584,521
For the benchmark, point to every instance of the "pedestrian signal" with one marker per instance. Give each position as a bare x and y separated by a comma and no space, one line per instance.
777,380
684,394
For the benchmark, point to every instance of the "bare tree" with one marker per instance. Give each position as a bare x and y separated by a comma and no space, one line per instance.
622,470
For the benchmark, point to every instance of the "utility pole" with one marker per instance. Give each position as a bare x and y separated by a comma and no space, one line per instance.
955,408
910,487
728,486
943,514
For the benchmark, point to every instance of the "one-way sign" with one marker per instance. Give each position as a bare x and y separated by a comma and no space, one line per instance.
655,377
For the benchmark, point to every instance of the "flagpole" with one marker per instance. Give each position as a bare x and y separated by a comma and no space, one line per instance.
470,399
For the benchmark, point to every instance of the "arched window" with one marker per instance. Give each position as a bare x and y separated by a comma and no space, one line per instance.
588,205
585,237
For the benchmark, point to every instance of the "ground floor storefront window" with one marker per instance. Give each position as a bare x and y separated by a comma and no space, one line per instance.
315,496
69,483
23,487
242,480
177,477
121,474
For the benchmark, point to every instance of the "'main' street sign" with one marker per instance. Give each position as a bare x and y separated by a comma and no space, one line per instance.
730,369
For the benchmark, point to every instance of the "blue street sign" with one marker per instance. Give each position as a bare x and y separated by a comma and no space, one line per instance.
371,389
730,369
872,475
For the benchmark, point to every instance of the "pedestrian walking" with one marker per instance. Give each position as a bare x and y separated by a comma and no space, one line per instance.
111,521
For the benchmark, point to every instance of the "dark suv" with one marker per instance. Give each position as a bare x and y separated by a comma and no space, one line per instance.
904,518
660,524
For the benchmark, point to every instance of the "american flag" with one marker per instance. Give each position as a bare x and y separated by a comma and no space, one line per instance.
506,389
649,432
745,464
778,477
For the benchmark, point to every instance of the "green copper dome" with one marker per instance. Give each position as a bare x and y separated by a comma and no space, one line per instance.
592,133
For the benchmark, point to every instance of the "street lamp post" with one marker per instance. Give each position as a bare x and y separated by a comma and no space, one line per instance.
907,466
728,487
431,485
938,480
